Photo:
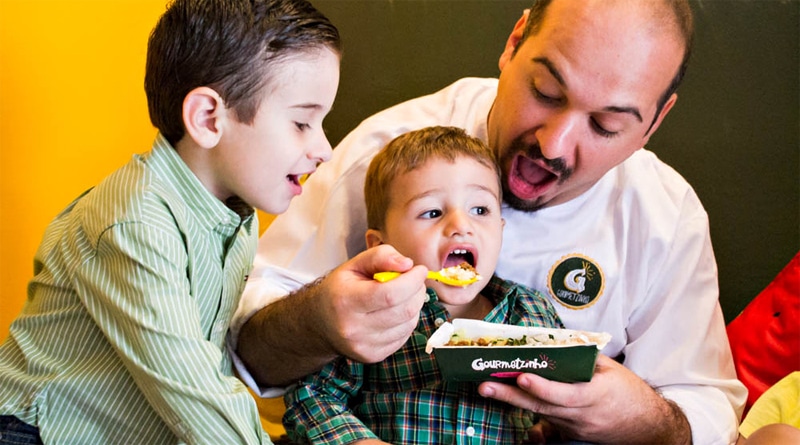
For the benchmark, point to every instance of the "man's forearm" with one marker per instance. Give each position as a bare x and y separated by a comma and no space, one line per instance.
667,425
284,341
676,426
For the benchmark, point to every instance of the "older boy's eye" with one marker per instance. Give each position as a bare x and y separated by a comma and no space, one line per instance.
430,214
302,126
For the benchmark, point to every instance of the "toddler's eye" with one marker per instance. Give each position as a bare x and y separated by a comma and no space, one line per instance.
430,214
302,126
480,210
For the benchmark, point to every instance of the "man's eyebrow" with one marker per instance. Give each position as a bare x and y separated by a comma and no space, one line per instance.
550,67
307,106
557,75
630,110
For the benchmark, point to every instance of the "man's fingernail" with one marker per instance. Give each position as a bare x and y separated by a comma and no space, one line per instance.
487,392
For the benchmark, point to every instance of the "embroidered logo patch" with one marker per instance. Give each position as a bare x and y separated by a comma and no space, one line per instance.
576,281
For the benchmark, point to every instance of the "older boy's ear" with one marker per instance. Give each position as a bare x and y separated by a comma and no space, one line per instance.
374,238
204,114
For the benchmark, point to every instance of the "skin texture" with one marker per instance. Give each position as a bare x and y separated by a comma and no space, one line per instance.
577,99
774,434
440,206
574,100
262,162
443,206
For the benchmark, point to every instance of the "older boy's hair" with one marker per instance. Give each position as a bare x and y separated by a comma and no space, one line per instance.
229,46
412,150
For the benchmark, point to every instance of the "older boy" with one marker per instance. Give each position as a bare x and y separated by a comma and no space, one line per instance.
122,337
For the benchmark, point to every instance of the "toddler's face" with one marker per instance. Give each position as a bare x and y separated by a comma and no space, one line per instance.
263,163
444,213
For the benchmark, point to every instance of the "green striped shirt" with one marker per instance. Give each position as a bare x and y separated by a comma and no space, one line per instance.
122,338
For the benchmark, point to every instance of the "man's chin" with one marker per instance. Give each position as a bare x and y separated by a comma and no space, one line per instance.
524,205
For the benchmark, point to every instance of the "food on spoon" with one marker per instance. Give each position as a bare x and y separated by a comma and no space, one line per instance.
461,272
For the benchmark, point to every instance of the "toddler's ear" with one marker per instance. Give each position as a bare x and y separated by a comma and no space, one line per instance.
204,114
374,238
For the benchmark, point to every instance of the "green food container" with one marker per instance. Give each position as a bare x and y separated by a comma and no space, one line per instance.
569,355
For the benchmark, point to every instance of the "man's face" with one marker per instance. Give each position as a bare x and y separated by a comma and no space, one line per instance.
577,99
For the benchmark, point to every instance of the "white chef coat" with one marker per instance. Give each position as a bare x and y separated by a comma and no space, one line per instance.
632,256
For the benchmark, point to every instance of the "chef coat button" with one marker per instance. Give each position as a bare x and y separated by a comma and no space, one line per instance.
438,322
470,431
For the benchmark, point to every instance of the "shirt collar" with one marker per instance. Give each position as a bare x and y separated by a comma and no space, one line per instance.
168,165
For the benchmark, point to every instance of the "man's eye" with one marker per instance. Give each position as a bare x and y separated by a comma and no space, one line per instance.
302,126
539,95
430,214
602,131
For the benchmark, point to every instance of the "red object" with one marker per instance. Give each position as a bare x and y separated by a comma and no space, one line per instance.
765,337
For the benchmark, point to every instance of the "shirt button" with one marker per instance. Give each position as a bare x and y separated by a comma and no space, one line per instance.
427,298
438,322
470,431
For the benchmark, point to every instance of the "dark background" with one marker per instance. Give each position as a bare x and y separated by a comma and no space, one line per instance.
734,134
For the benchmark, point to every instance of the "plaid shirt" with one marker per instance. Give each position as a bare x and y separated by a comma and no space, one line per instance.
403,399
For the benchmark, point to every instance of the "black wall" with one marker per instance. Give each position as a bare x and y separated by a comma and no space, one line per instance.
734,133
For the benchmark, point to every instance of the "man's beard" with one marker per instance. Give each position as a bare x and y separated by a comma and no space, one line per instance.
532,151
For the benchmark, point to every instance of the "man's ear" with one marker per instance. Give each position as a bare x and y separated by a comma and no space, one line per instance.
374,238
204,115
664,111
514,39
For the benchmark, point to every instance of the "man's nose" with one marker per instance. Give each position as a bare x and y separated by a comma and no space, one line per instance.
557,135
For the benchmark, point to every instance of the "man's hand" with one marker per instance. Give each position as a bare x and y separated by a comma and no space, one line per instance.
344,313
366,320
615,407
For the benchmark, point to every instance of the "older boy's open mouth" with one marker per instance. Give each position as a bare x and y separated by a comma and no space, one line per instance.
528,179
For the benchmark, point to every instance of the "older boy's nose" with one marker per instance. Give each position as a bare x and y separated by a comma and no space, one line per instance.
322,151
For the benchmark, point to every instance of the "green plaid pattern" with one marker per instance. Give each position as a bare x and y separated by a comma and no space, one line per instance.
403,399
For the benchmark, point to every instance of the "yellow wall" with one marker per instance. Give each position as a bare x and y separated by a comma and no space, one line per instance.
72,110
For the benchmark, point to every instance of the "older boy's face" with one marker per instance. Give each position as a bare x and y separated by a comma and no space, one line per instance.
444,213
263,163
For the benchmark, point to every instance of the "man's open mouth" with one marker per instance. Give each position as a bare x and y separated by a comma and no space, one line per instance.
528,179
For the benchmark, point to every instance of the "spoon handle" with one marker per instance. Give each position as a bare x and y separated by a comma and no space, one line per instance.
385,276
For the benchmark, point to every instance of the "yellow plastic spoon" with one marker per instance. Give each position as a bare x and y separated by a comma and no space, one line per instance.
442,276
